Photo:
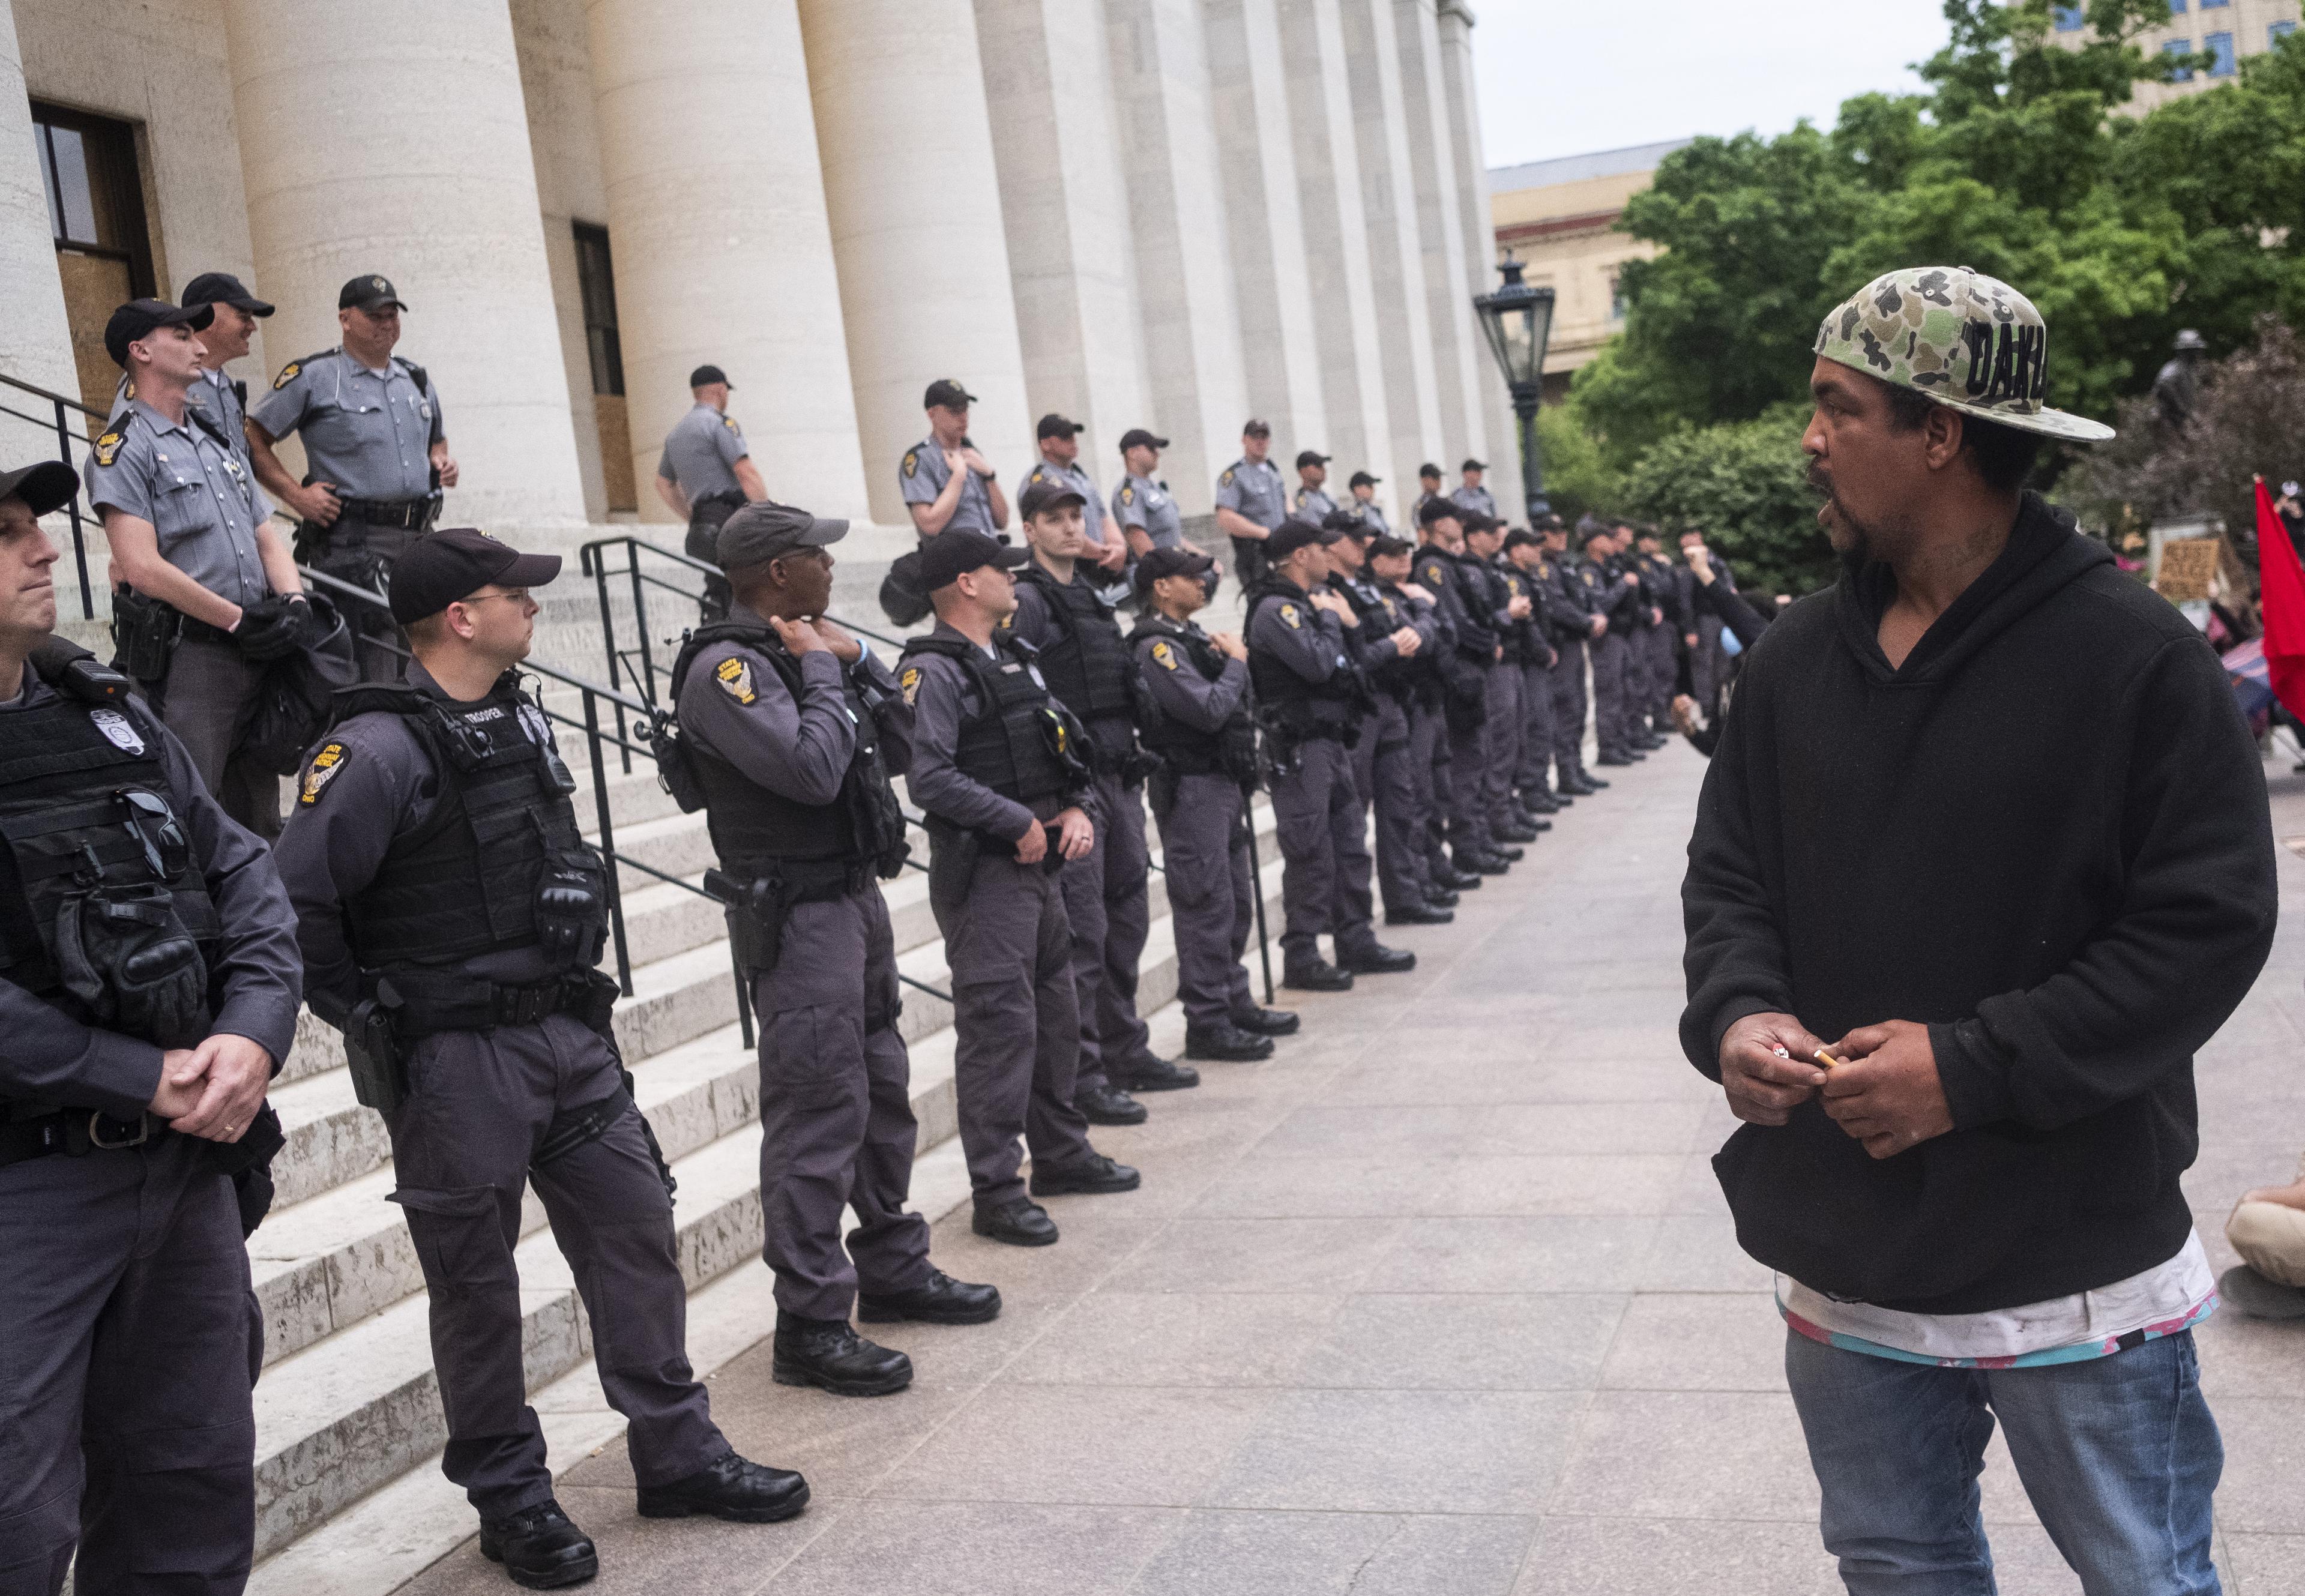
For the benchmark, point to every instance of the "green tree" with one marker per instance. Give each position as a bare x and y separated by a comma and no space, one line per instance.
1744,485
1578,475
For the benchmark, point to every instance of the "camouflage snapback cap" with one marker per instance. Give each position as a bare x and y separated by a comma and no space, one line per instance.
1968,341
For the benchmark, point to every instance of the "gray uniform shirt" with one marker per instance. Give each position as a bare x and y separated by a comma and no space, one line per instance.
1254,489
52,1057
1149,505
800,751
219,396
1372,514
942,694
1313,504
922,474
194,490
1475,499
1309,642
367,433
1183,695
700,453
1079,481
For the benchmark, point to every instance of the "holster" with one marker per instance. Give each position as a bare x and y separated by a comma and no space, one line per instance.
758,907
1161,788
952,867
374,1054
145,633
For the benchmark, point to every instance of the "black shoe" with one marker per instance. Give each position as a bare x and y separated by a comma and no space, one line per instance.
539,1548
1513,833
1417,914
1483,864
1594,782
825,1352
1651,743
1460,880
1020,1222
1509,855
1377,959
1267,1022
734,1488
1613,760
1095,1178
1440,898
1149,1074
1541,802
1583,786
941,1300
1107,1105
1227,1044
1320,976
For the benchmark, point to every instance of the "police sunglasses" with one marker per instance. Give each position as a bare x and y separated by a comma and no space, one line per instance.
153,824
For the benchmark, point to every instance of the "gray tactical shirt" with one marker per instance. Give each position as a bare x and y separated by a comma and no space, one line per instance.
1314,502
1254,489
1372,514
1475,499
942,694
195,491
1079,481
368,434
1183,695
799,751
1309,642
219,396
922,474
700,453
1149,505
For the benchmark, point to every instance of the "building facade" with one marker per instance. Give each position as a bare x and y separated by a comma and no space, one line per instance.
1172,214
2223,30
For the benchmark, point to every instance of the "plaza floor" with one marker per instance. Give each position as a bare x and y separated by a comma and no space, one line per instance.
1442,1298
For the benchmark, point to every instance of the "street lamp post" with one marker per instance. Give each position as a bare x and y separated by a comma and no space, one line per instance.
1518,322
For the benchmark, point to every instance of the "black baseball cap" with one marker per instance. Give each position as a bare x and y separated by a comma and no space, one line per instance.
762,531
1441,509
706,376
947,393
1429,470
1048,496
948,556
1522,537
1389,545
138,319
1305,457
1053,424
457,562
1170,562
1292,535
1346,524
1253,428
1476,520
1472,464
368,293
45,485
222,288
1137,437
1362,479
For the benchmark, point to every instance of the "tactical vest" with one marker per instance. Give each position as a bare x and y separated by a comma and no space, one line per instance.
1229,749
754,826
1382,616
1020,742
466,881
1088,666
1479,637
1306,708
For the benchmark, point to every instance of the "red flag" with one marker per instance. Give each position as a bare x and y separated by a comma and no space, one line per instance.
2281,590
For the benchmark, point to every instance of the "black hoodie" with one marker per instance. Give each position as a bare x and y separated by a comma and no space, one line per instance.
2046,836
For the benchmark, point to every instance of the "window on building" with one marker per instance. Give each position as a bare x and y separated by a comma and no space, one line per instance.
2213,5
2276,33
95,216
1616,297
2069,19
596,285
2176,7
2179,47
2220,47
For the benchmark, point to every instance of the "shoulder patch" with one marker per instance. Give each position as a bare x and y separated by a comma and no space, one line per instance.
730,423
1128,495
287,375
106,447
1164,656
1295,622
736,678
1036,477
320,772
911,462
1226,480
910,681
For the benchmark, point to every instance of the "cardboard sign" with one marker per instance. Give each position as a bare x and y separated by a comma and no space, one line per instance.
2187,566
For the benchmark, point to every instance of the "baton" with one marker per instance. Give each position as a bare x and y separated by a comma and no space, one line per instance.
1256,888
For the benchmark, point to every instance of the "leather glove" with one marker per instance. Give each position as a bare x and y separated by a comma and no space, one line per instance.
273,627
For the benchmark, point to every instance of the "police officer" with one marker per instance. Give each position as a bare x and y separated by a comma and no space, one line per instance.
706,474
1251,501
1428,489
1198,718
1390,562
450,914
1661,581
205,592
1059,463
226,339
129,1115
947,485
1626,561
1391,641
377,447
1470,495
1507,606
1576,627
1364,505
790,731
1461,757
1143,507
1614,596
1086,663
996,764
1310,695
1313,502
1532,778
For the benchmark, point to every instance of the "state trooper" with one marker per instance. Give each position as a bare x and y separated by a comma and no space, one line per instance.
1532,777
1251,501
1058,438
1143,507
1647,616
1391,641
1364,505
997,766
790,731
1311,697
206,594
1428,489
1576,627
450,913
132,1123
1461,757
235,312
377,448
1391,563
1612,595
1509,607
706,474
1470,495
947,485
1086,663
1199,718
1313,502
1661,584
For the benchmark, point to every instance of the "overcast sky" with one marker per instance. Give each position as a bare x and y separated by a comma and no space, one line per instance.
1563,77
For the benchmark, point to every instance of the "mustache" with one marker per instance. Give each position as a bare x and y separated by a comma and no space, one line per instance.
1820,481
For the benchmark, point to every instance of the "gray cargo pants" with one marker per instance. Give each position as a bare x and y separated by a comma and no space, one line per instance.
1108,902
1381,771
1204,853
1322,826
207,699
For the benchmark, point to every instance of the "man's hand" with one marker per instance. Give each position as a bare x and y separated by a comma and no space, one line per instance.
1765,1068
180,1085
1325,600
1404,641
315,502
1886,1092
975,460
1598,624
1632,579
444,463
1519,609
1416,591
1228,644
1074,835
845,648
1700,561
1115,556
1657,615
1689,638
798,636
1032,846
1684,714
238,1072
956,461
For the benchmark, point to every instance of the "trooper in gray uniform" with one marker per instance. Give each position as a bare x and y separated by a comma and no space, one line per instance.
450,913
1313,502
1509,608
1364,505
205,592
1078,647
1469,495
1058,438
1143,507
133,1125
1311,697
706,474
1428,489
1198,716
226,339
377,447
1532,777
789,732
997,766
1251,501
949,486
1576,627
1617,596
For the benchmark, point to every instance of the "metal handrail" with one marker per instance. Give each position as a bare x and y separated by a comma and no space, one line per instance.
63,425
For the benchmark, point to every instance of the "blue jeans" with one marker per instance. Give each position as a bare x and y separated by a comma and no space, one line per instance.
2118,1455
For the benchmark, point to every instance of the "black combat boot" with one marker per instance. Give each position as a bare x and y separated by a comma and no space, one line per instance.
1319,976
1099,1176
1267,1022
1226,1043
827,1353
1020,1222
733,1489
1377,959
939,1300
539,1546
1149,1074
1417,914
1109,1105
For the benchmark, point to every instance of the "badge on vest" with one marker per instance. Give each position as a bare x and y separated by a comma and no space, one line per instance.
910,682
116,730
1290,618
1164,657
736,679
320,772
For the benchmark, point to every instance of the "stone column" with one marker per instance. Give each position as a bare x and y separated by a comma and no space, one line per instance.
1064,201
1184,249
1337,247
1275,286
394,140
723,249
35,337
910,185
1458,350
1455,27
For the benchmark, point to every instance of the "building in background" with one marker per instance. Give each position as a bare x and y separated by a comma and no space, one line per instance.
2223,29
1560,217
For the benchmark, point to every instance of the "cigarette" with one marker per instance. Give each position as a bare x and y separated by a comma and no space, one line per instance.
1829,1060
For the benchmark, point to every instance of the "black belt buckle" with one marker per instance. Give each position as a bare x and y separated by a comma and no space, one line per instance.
97,1121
